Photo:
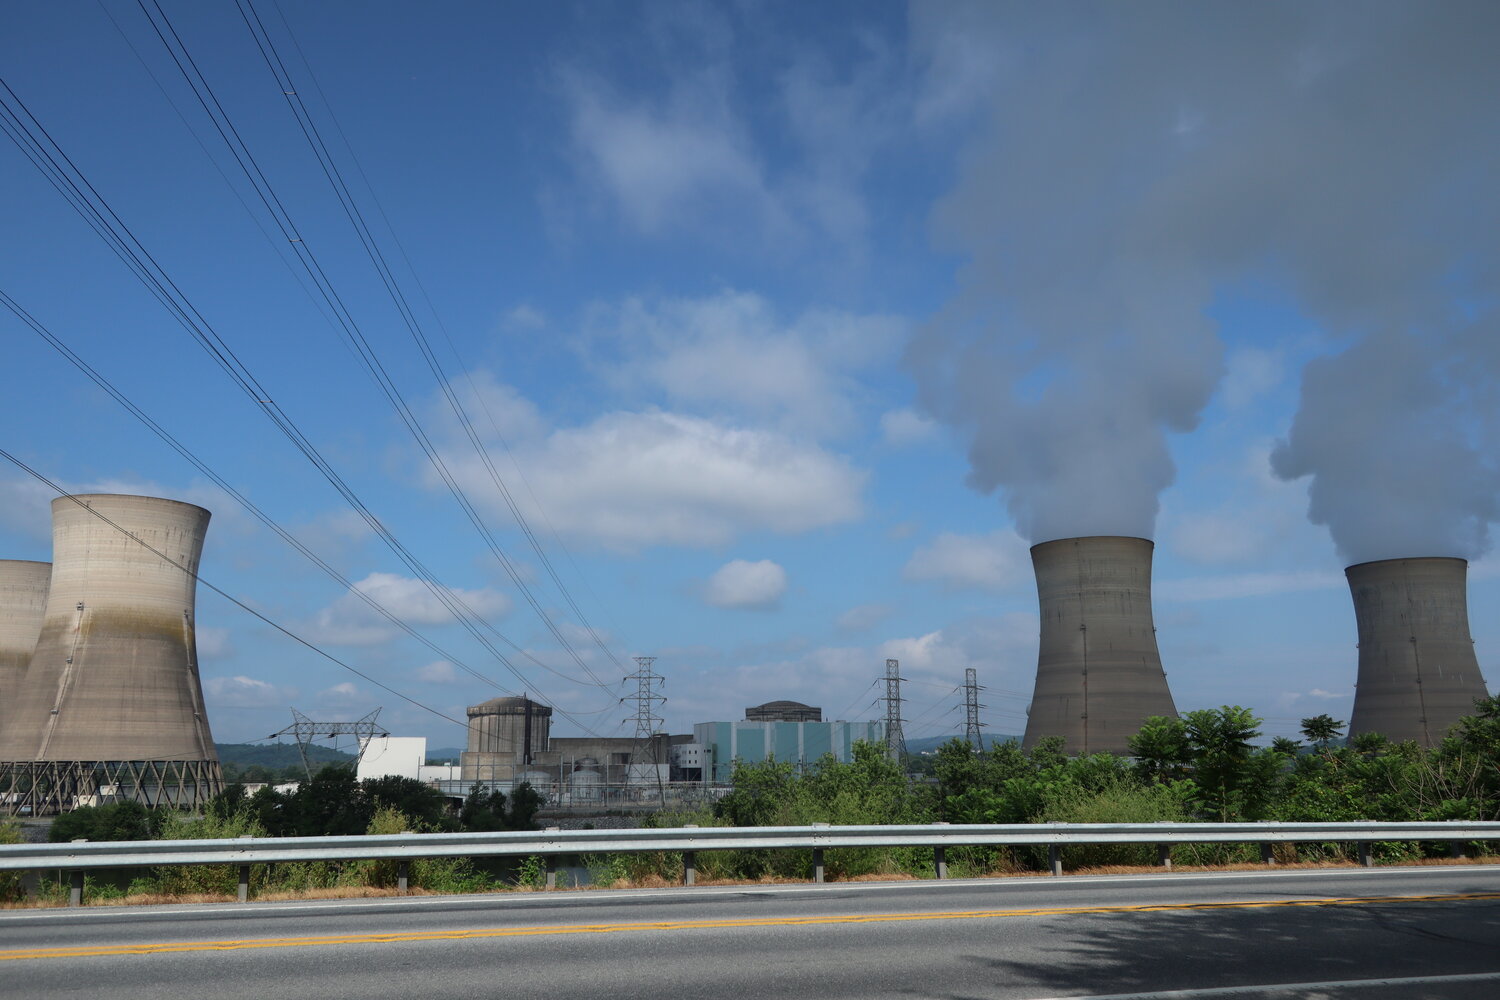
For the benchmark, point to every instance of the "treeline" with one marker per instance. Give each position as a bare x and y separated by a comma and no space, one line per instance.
1204,767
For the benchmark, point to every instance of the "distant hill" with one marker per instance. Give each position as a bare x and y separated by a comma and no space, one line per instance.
445,753
277,756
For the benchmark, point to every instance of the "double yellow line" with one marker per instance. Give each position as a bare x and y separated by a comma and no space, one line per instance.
94,951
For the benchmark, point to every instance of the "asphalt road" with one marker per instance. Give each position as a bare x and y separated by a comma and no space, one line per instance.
1312,935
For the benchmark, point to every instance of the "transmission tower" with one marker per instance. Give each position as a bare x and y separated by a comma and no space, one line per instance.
895,738
647,722
305,730
971,711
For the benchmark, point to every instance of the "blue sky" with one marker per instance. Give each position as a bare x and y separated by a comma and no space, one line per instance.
787,328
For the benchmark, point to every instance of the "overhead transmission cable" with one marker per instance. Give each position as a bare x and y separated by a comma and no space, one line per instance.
207,98
176,445
39,477
310,131
42,150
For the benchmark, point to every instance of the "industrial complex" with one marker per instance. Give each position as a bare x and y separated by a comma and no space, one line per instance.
100,695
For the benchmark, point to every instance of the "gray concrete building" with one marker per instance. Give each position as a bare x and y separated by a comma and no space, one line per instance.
1099,673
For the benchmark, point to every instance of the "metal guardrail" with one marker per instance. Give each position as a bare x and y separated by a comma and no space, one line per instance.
79,856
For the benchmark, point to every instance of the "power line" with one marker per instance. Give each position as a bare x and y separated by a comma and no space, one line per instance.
176,445
43,151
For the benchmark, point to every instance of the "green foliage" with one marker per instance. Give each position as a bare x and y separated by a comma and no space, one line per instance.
115,821
531,873
1231,777
1161,749
486,809
10,882
1320,730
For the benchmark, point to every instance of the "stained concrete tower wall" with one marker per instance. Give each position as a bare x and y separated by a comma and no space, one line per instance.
1099,673
23,599
114,674
1418,673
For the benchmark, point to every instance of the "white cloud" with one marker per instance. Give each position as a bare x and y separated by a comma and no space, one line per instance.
245,692
666,163
750,585
438,672
731,354
213,643
996,561
525,317
349,621
905,427
863,617
630,480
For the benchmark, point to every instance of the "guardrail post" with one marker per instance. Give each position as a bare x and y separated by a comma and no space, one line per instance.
552,862
1366,856
690,861
243,891
75,880
940,857
818,870
1054,858
1457,849
402,872
1266,857
1164,856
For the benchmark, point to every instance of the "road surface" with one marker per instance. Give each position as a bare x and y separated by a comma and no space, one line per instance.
1330,935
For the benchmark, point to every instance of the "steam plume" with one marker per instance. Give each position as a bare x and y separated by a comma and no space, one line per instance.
1142,156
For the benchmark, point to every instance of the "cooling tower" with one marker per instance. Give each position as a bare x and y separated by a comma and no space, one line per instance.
110,699
1417,669
1098,672
23,595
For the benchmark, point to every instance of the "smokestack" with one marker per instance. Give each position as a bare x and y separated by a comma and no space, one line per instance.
1417,670
23,595
111,692
1098,672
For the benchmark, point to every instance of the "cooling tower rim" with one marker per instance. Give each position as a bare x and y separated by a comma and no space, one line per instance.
1091,538
85,499
24,562
1348,570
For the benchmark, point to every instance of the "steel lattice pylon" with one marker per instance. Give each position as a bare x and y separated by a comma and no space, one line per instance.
305,730
972,725
895,737
647,722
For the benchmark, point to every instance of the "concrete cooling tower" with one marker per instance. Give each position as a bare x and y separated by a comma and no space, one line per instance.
1098,672
110,702
23,596
1417,669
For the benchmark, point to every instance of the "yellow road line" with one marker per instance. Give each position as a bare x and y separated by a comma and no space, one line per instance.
692,925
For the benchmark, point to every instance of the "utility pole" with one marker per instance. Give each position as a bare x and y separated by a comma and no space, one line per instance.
971,710
647,722
895,738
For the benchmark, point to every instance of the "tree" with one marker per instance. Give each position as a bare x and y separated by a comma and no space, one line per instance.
1224,764
1160,749
1320,730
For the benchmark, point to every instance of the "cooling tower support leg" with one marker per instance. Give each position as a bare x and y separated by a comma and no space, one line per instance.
402,870
689,867
1054,859
1164,856
817,864
244,888
1366,855
75,888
